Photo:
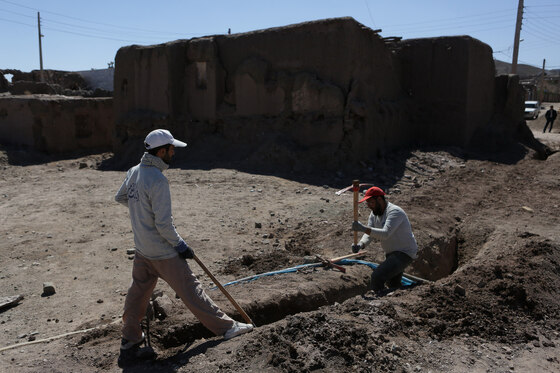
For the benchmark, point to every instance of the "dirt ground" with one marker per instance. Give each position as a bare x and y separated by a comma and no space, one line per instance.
486,224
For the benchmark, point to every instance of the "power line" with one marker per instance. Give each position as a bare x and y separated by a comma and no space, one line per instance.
19,23
451,19
369,12
16,13
542,6
538,34
96,23
464,24
91,36
71,28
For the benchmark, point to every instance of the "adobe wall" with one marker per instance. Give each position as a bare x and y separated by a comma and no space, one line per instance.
56,124
451,81
326,91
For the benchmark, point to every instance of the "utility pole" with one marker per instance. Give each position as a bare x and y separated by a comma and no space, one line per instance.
517,35
40,47
541,90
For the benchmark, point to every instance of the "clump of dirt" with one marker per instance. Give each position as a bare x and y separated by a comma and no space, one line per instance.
257,263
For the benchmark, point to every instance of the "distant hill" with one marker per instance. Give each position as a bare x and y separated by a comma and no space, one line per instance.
524,71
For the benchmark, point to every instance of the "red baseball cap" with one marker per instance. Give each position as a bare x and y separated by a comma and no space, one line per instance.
372,192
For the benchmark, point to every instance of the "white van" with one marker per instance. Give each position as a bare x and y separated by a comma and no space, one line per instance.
532,109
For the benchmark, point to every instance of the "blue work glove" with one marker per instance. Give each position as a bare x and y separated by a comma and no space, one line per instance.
357,226
357,247
185,252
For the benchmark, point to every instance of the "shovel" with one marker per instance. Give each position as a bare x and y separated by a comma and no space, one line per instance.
224,291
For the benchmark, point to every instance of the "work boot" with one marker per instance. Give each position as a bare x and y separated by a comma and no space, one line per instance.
131,352
129,345
238,328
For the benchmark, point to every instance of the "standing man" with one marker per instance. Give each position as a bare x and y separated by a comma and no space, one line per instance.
550,117
160,250
389,224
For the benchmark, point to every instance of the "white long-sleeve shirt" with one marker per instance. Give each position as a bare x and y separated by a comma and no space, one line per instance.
145,192
394,231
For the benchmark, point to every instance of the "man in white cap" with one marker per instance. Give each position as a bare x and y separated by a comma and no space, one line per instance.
160,250
388,223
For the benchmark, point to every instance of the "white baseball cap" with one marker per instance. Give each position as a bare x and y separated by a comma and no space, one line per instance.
159,137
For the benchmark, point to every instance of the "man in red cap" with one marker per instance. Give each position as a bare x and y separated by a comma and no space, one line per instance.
389,224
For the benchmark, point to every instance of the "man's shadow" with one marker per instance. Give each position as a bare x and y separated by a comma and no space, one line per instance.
171,363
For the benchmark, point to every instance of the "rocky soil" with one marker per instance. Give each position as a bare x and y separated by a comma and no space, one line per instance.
486,224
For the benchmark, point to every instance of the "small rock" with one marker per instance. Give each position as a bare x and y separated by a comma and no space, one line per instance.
100,301
130,251
309,259
48,289
460,290
113,249
247,260
258,225
163,306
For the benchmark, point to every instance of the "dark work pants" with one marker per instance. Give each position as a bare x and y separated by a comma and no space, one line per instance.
390,271
546,125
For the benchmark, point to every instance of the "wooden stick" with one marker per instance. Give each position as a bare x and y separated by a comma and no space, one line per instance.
356,189
334,260
228,296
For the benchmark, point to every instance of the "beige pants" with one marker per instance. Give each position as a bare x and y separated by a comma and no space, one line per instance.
177,273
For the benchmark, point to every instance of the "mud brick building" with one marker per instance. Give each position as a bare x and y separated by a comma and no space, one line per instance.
331,92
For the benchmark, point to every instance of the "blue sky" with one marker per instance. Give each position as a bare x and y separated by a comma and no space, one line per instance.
81,35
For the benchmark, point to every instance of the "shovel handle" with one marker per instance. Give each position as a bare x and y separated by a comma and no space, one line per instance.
224,291
356,190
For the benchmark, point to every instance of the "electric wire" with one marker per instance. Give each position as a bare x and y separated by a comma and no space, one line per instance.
451,19
101,23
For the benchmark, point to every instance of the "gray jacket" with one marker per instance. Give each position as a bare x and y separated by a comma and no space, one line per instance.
394,231
146,193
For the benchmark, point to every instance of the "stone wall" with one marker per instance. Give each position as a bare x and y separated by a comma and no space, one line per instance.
56,124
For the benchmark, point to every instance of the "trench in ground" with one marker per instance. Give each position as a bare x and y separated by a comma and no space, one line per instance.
442,256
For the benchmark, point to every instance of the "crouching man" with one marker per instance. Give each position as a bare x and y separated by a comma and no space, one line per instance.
160,250
389,224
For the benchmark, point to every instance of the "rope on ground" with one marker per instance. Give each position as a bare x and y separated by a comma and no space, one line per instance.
405,280
56,337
